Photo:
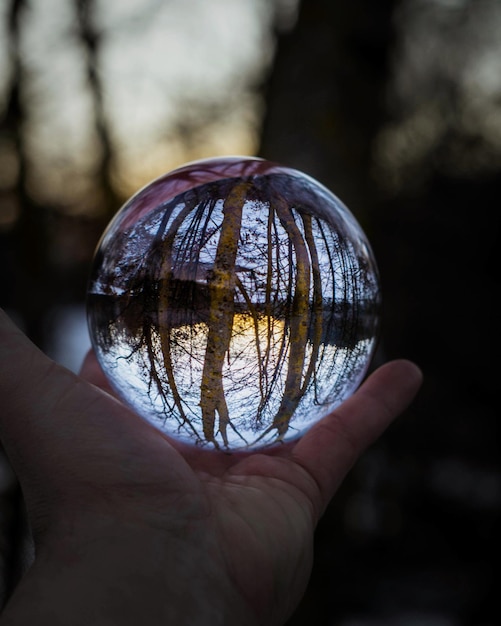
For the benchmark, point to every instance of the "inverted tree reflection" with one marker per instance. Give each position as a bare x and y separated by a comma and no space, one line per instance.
236,315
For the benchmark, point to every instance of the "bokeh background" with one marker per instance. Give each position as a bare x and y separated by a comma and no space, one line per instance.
396,106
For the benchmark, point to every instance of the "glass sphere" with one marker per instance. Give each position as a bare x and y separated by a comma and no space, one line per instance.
233,303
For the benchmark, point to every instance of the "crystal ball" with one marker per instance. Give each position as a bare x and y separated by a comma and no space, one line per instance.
233,303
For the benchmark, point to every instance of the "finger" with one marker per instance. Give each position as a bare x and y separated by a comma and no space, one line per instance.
333,445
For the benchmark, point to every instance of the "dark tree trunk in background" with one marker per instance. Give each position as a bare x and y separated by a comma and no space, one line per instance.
412,528
90,37
23,263
325,95
28,244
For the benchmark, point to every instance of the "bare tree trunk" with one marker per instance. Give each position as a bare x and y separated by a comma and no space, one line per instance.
29,235
91,40
298,324
325,94
222,289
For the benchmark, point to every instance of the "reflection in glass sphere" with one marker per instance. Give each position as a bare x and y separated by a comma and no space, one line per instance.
234,302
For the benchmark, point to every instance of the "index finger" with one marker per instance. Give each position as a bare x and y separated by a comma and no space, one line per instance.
332,446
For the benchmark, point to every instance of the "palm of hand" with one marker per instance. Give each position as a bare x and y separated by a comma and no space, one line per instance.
255,513
263,523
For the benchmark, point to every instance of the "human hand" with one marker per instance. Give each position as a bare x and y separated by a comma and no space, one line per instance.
131,526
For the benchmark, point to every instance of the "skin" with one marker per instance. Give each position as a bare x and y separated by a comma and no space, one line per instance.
132,527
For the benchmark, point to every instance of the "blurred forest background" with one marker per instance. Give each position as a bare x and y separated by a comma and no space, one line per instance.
395,105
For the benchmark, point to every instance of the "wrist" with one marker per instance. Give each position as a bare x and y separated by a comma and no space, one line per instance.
127,581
